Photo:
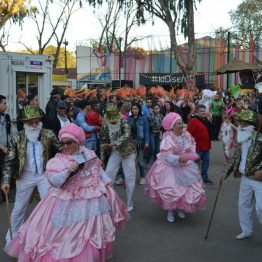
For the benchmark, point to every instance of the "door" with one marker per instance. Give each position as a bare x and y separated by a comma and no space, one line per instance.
26,84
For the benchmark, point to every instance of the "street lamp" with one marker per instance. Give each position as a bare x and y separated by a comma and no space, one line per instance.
66,70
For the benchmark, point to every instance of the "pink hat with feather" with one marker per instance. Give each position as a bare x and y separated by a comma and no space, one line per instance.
170,120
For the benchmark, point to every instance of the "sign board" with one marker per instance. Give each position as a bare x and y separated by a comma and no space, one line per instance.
59,78
36,64
151,79
17,62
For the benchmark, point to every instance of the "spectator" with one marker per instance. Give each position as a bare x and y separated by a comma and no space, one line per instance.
52,103
187,108
90,130
60,119
155,124
140,134
147,110
259,104
170,107
5,131
32,100
201,129
217,108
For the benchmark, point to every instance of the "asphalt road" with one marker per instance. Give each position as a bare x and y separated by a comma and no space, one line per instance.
149,238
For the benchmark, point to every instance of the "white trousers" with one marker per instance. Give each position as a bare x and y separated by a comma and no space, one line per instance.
24,189
250,196
129,168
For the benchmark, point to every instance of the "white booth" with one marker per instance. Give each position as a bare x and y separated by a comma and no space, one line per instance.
24,74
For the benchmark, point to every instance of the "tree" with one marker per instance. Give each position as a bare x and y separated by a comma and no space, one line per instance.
247,19
177,15
52,50
246,25
51,26
12,9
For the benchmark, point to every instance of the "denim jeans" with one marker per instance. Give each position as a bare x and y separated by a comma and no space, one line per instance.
216,123
154,144
141,165
204,156
90,144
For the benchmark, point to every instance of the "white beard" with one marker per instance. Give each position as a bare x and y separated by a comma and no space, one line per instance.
31,133
244,134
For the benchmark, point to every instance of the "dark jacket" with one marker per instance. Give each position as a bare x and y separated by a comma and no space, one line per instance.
54,122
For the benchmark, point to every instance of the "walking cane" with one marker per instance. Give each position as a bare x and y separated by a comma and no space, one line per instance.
8,215
214,207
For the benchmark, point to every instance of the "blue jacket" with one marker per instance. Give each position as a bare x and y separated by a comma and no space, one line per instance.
142,128
81,121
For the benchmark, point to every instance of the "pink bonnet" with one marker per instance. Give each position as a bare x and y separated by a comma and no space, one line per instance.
74,132
170,120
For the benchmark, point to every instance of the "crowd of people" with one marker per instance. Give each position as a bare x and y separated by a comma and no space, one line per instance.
74,151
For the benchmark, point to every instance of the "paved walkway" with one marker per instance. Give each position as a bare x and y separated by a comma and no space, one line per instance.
149,238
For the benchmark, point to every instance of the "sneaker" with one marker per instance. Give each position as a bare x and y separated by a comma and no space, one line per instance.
142,181
242,236
120,182
170,217
130,209
181,214
208,181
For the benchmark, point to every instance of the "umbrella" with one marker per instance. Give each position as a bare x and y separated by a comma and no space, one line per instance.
235,66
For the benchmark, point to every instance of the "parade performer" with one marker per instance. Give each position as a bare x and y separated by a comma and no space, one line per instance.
5,132
76,221
247,163
116,141
26,158
228,131
174,180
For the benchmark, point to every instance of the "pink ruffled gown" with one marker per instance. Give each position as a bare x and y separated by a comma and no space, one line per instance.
75,222
172,185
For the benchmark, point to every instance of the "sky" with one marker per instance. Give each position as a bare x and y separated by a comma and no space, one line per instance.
210,15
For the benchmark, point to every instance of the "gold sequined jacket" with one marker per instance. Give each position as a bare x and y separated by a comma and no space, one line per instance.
15,158
124,143
254,158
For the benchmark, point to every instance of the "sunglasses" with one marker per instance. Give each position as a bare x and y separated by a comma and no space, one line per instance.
68,143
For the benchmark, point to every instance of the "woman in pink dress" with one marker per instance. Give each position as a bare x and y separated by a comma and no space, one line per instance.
76,221
174,180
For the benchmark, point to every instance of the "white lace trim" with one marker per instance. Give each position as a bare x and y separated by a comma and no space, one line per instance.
67,213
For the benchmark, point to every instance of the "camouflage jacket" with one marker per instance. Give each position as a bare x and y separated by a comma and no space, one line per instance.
124,143
15,158
254,158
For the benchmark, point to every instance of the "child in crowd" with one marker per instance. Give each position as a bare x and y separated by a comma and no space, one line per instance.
93,119
228,131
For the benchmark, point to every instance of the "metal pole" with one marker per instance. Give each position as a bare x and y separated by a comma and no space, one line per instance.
66,70
119,73
170,69
228,54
